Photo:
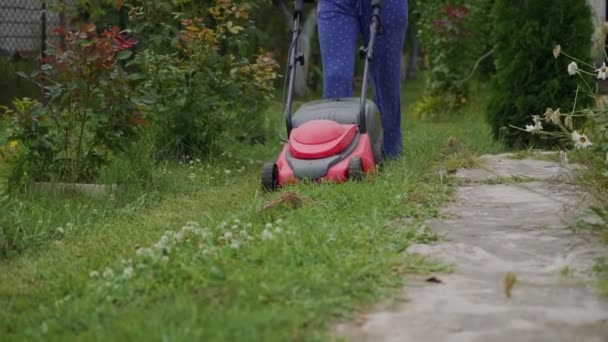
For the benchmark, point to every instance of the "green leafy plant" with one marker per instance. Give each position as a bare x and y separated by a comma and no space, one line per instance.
202,89
454,35
89,113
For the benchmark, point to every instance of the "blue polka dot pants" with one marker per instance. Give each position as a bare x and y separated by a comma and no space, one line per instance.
340,24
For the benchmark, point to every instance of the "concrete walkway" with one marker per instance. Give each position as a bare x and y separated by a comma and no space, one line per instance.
509,216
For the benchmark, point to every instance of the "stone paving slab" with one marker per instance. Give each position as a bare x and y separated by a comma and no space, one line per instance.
495,229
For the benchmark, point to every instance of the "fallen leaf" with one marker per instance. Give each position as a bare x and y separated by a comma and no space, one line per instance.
509,282
434,280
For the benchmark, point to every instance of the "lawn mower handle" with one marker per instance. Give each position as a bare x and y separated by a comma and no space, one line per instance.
368,54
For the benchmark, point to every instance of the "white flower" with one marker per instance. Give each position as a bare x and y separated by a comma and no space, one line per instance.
228,235
557,50
128,272
268,225
278,221
602,72
235,244
581,141
164,259
530,128
227,172
278,230
60,231
192,176
94,274
572,68
267,235
108,273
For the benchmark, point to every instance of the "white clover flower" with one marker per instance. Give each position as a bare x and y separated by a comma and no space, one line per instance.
278,221
243,233
164,240
248,225
223,224
94,274
268,225
192,176
602,72
572,69
60,231
128,272
164,259
557,50
191,162
108,273
234,226
278,230
198,160
237,221
235,244
228,235
227,171
266,234
581,141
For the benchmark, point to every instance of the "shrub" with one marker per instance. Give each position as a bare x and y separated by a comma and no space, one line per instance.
196,73
89,113
528,78
453,34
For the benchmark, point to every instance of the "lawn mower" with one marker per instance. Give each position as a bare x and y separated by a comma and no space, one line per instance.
335,140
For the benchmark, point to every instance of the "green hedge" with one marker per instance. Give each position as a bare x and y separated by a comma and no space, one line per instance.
528,78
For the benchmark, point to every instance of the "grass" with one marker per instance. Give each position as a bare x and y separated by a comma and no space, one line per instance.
294,272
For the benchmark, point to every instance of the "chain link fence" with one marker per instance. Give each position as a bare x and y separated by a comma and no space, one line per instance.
26,26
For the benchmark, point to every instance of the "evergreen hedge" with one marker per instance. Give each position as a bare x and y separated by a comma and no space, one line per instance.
528,78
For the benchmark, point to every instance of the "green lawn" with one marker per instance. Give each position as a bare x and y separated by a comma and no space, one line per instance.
233,271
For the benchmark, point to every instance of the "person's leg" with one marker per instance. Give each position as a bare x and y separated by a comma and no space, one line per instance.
338,32
386,68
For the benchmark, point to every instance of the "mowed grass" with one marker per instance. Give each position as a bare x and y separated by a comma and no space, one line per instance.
226,269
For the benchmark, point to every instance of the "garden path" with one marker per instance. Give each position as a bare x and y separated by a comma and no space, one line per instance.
510,215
